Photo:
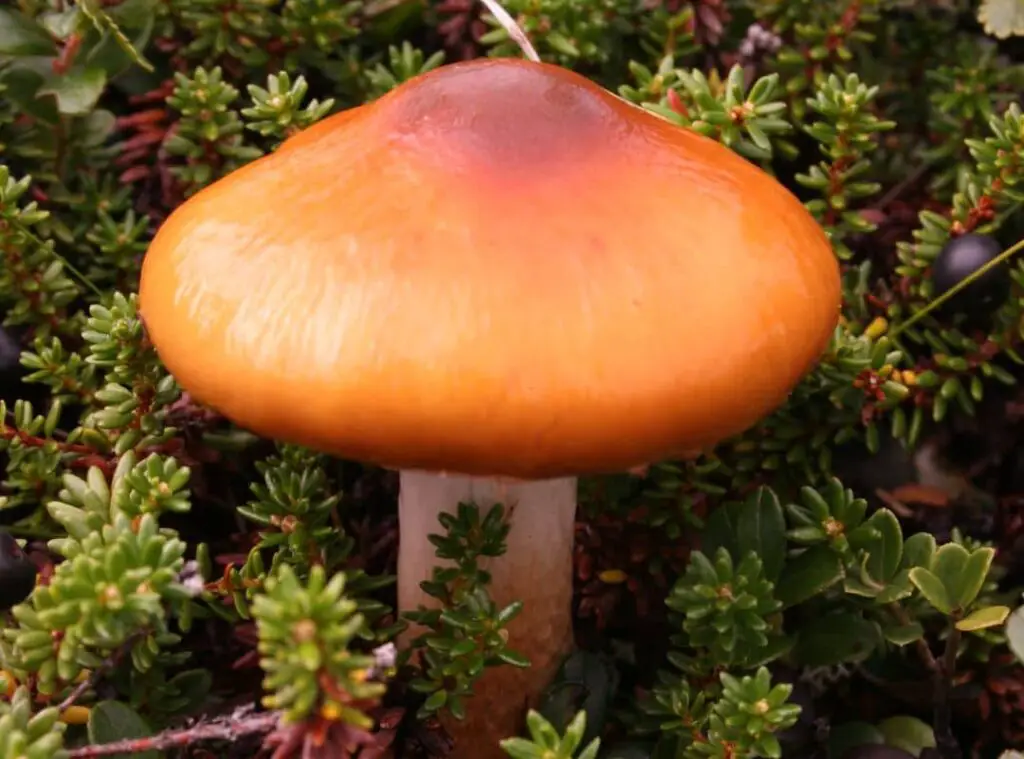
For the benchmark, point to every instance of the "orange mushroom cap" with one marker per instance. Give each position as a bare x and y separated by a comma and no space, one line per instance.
498,268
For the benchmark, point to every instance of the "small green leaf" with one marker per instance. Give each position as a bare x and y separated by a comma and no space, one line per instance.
435,700
756,524
981,619
834,638
587,681
192,685
77,91
902,635
543,732
111,721
949,562
513,658
932,589
20,36
133,14
777,645
22,80
520,748
849,735
974,575
949,567
762,529
919,550
810,573
899,587
106,25
881,538
62,24
96,127
116,53
720,530
908,733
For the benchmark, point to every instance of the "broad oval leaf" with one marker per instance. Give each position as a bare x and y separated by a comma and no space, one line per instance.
949,567
76,91
21,36
111,721
932,589
908,733
881,538
919,550
981,619
808,574
587,681
973,578
843,637
762,529
902,635
755,525
849,735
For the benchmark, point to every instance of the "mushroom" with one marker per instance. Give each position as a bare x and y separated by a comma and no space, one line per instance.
496,278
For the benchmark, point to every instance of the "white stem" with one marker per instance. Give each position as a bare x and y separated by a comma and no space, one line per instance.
514,30
536,569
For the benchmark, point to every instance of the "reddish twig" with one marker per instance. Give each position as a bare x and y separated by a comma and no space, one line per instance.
108,664
223,729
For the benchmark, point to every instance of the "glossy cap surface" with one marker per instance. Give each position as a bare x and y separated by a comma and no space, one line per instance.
499,268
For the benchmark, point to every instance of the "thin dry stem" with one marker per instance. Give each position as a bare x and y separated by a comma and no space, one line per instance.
512,27
224,729
94,677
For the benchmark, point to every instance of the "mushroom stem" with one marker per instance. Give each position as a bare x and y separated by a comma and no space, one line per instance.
536,569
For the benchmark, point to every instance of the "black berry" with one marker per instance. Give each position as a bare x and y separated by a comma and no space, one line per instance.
961,257
17,573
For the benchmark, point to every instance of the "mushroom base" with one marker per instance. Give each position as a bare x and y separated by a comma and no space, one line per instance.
536,569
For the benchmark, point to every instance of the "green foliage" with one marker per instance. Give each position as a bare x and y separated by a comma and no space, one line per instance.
209,134
305,630
404,63
565,32
545,742
741,722
846,130
466,630
119,583
35,289
294,499
158,526
137,389
724,606
278,111
31,735
820,39
749,713
747,120
953,578
860,583
295,506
